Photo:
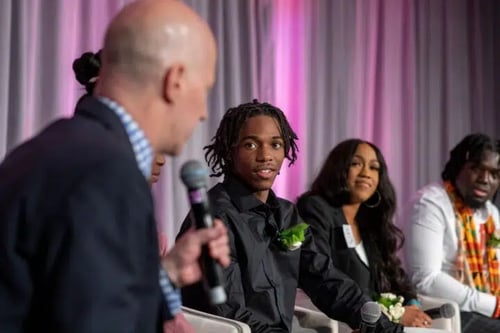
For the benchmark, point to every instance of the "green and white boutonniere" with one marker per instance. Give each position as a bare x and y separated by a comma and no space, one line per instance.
291,239
392,306
494,240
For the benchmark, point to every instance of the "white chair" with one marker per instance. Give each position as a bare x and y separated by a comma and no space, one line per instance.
208,323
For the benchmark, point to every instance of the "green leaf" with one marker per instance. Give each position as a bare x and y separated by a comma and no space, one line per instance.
385,302
293,235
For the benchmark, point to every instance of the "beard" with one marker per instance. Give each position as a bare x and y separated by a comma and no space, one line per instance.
475,202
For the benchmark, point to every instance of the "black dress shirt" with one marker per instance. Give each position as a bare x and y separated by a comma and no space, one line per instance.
262,278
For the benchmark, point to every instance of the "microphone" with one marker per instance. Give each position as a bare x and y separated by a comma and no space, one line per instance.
444,311
194,175
370,314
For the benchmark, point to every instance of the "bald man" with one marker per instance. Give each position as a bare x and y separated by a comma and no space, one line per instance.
78,241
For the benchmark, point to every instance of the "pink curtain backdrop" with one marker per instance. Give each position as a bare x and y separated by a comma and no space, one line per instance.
288,32
412,76
384,84
381,105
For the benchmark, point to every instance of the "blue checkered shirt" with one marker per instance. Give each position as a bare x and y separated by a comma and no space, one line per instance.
144,156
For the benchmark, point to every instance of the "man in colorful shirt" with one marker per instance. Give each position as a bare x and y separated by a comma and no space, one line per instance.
450,228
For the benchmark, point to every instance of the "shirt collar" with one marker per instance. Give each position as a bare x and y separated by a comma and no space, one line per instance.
243,198
142,148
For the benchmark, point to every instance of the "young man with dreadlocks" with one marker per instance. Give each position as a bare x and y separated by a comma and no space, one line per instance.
453,234
248,150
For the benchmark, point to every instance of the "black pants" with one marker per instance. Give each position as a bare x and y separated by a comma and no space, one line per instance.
476,323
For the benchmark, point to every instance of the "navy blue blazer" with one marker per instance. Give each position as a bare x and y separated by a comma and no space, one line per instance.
78,244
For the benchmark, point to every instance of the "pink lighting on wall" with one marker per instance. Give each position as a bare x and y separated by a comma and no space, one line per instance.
289,94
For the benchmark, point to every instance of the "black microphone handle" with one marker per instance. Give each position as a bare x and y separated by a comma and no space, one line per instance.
367,327
213,278
434,313
202,218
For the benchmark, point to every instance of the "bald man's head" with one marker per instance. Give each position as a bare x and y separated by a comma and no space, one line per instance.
147,36
158,61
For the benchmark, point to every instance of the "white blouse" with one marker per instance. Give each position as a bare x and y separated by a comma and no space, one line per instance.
360,251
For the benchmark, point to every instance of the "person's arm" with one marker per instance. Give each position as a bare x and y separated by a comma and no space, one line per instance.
235,306
179,324
181,262
424,256
415,317
315,213
16,285
171,296
171,312
333,292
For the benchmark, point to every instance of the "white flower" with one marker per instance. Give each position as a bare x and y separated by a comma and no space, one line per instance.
396,312
384,310
393,307
295,246
390,296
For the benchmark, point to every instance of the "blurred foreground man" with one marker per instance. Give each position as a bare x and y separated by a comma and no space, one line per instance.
78,240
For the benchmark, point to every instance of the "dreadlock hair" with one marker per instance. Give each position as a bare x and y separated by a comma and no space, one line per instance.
470,149
218,153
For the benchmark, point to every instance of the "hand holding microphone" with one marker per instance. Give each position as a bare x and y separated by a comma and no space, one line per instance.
194,176
182,261
415,317
444,311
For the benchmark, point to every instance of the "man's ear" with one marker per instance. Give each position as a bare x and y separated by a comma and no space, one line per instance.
173,82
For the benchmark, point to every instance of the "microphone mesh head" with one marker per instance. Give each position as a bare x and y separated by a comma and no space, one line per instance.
370,312
194,174
447,310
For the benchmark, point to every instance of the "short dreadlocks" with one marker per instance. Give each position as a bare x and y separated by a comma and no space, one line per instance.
471,148
218,153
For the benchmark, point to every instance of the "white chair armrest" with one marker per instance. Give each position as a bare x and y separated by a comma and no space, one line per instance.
208,323
452,324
